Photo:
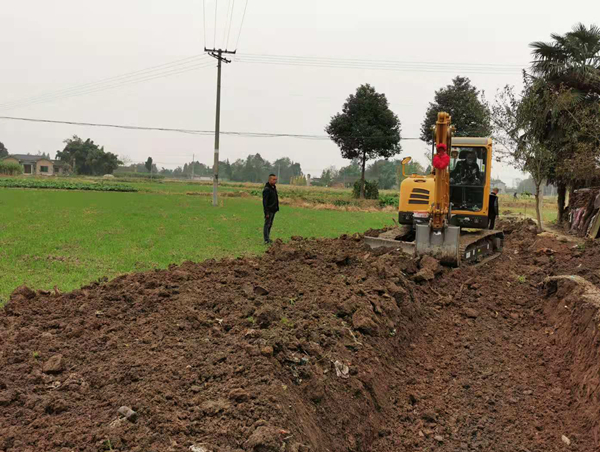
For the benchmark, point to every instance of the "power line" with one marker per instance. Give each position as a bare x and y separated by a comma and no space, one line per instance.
224,45
347,63
186,131
230,22
204,19
141,77
301,57
241,26
215,34
123,77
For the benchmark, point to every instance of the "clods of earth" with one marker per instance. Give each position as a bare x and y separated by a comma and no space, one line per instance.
319,345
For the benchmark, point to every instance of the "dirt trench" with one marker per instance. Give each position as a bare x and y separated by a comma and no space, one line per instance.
317,346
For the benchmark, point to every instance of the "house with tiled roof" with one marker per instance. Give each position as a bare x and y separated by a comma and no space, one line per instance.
37,165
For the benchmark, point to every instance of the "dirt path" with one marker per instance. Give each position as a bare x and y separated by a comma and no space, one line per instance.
486,375
486,372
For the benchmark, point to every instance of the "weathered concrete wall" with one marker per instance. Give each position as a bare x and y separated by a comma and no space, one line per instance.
44,162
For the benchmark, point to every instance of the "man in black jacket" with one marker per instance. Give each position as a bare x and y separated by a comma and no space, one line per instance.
493,208
270,205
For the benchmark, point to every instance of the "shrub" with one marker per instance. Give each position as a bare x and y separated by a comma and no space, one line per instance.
10,169
388,200
371,190
63,185
341,202
133,175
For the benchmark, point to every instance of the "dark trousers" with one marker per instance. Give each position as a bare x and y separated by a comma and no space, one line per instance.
491,221
268,225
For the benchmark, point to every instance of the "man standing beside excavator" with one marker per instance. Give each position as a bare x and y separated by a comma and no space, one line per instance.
270,206
493,208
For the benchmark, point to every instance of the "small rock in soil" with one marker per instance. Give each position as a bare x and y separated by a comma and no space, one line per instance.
439,438
213,407
128,413
265,439
258,290
54,365
267,351
471,313
566,440
425,274
428,262
363,322
196,389
195,448
239,395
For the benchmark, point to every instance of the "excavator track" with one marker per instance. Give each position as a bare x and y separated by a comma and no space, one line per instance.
477,244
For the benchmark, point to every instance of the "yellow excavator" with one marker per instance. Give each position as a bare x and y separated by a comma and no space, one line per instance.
445,213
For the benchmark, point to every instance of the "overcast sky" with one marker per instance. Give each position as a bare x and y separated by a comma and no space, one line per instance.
48,46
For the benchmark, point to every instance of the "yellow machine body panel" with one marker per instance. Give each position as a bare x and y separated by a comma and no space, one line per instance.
470,185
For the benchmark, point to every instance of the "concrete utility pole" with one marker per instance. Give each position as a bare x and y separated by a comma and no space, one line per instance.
193,158
218,55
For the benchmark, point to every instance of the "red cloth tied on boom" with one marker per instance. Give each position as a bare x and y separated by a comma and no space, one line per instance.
441,160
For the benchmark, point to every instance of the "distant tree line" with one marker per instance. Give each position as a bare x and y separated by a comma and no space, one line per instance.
387,174
253,168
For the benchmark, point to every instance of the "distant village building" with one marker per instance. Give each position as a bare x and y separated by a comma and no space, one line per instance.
497,183
37,165
202,178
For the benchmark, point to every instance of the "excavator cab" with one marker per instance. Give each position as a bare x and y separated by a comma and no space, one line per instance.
445,213
470,179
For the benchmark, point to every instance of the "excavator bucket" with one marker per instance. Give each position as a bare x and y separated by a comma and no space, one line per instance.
444,244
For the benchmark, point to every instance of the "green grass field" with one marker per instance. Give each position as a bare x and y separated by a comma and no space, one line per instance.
526,207
69,238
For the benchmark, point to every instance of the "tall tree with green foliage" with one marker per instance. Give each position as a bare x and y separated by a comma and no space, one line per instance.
388,173
86,157
148,164
3,151
463,101
516,128
572,59
366,129
570,66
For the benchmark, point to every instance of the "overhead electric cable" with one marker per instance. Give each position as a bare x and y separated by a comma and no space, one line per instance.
187,131
303,57
241,26
377,65
230,22
204,19
117,84
123,77
224,45
215,34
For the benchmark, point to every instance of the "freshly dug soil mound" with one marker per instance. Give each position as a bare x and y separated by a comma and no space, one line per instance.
319,345
295,349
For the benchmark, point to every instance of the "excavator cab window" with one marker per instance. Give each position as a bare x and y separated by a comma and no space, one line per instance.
467,178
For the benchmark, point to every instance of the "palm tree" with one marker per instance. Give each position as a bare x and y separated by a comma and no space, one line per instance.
572,59
569,67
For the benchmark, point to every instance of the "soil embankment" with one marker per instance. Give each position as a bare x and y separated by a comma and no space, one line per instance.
317,346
